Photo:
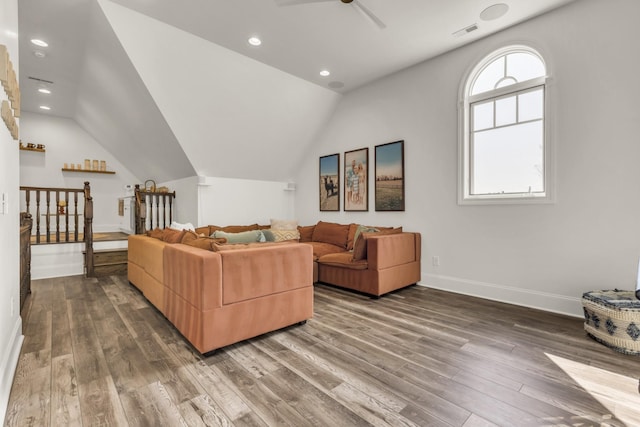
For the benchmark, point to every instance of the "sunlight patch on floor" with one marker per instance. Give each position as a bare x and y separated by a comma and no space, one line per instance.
618,393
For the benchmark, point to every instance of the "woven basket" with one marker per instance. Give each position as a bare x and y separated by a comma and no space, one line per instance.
613,319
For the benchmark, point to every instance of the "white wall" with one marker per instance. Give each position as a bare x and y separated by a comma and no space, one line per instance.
227,201
536,255
10,322
66,142
186,201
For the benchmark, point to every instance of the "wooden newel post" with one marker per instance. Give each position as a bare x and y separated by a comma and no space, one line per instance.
88,229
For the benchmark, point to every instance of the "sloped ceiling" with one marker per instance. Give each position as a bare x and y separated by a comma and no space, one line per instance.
116,108
232,115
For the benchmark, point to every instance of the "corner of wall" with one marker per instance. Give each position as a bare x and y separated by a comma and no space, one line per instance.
8,366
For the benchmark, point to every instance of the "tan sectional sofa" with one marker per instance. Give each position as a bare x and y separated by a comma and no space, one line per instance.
377,263
219,298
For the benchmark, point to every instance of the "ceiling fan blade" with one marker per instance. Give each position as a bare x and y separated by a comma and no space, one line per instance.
368,14
296,2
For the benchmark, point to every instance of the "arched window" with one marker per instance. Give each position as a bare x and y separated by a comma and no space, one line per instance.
505,154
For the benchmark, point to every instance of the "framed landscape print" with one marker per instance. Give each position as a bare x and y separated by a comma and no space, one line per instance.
330,183
356,177
389,176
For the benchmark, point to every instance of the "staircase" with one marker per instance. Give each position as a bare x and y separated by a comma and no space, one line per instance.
109,261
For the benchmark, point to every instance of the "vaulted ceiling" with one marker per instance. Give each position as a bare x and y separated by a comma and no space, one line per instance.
174,90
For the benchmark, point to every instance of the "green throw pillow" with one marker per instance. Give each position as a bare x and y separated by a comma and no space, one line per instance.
243,237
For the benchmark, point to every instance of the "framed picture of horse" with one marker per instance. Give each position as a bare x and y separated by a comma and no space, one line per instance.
330,182
356,177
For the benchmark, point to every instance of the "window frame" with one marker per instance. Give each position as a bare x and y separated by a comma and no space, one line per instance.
465,140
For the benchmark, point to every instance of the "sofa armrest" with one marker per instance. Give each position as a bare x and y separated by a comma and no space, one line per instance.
388,250
194,274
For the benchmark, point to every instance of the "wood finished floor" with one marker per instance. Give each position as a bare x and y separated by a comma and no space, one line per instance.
97,354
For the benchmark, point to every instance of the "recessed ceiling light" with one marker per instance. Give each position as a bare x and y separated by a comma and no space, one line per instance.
325,73
44,90
39,42
494,12
44,107
254,41
39,54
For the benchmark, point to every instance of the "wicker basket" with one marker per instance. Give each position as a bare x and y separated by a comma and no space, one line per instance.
612,317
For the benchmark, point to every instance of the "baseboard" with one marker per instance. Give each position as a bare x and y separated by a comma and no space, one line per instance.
570,306
10,358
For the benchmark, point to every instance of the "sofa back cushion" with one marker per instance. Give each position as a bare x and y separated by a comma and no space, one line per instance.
306,233
259,271
330,232
360,246
173,236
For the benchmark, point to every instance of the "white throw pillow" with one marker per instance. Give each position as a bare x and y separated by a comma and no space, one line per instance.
284,224
187,226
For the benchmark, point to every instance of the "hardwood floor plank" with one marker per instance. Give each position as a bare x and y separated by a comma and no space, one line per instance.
97,353
100,403
65,404
270,407
30,403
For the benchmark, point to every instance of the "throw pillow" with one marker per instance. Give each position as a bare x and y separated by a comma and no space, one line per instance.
173,236
156,233
268,235
178,226
284,224
238,228
188,236
242,237
360,246
284,235
205,243
360,229
351,239
330,232
306,232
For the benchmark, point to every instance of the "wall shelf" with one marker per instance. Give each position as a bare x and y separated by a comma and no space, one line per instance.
87,171
39,150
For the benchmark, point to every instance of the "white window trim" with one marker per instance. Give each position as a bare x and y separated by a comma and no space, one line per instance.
464,196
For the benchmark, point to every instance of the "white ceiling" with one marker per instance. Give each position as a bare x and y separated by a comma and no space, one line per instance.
298,40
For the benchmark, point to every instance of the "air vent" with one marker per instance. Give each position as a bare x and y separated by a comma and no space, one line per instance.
465,30
41,80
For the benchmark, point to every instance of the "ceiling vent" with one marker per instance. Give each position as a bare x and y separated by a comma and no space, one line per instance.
41,80
465,30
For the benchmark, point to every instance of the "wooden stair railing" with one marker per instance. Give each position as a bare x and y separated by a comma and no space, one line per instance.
65,213
88,230
150,205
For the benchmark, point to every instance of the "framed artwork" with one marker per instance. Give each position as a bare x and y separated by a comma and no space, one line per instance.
330,183
356,178
390,176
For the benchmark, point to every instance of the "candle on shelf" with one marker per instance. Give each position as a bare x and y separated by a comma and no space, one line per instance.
638,282
103,165
95,165
66,166
87,164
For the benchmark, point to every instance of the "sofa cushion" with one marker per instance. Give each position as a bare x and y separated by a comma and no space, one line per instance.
320,249
242,237
306,233
156,233
330,232
172,236
360,229
343,259
203,242
232,228
188,236
203,231
351,238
